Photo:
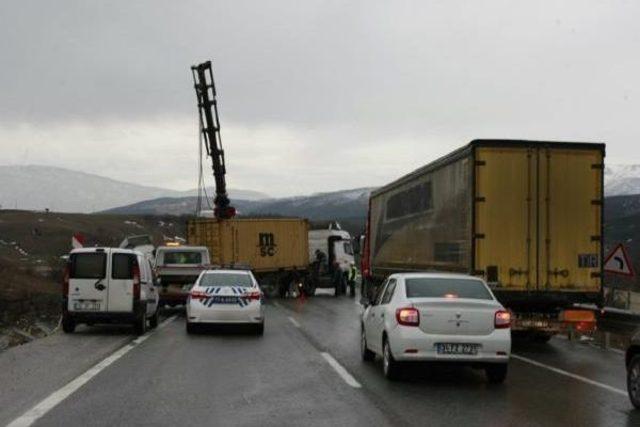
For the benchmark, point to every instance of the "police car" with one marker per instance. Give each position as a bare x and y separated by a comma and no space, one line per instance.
225,296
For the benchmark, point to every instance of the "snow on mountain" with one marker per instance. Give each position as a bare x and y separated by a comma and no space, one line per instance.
44,187
621,180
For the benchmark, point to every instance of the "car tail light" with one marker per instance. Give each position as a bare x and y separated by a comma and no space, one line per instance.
502,319
408,316
198,295
136,282
65,280
253,295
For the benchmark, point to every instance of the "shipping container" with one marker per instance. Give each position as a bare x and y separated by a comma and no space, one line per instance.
263,244
525,215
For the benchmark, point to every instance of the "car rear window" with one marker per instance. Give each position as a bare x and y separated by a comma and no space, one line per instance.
122,266
226,279
91,265
183,257
446,288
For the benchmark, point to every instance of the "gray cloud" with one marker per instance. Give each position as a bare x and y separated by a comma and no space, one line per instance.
353,78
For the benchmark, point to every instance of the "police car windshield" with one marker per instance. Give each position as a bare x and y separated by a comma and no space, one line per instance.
226,279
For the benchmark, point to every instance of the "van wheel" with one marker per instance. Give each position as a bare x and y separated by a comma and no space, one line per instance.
68,324
153,322
140,326
496,373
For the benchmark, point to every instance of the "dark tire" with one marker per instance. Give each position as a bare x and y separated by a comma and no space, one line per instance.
633,381
496,373
68,324
191,328
390,367
153,322
367,355
542,338
260,329
140,325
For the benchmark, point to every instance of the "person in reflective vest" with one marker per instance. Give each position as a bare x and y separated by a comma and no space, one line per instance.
351,279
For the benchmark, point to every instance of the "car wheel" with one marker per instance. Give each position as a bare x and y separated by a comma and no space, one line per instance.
633,381
191,328
496,373
140,325
260,329
367,355
153,322
68,324
390,367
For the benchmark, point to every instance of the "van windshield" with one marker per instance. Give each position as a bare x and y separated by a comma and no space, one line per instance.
226,279
446,288
183,257
91,265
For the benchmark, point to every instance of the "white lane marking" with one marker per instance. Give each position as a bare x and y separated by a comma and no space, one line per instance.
344,374
50,402
294,321
570,375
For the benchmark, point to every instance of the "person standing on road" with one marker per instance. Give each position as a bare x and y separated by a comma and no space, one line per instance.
338,279
351,280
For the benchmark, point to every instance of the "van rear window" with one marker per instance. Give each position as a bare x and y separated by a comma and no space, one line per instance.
89,265
182,257
122,266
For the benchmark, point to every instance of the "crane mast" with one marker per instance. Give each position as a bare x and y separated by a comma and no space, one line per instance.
210,128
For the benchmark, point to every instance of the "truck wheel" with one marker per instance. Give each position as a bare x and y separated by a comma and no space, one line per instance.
260,329
309,289
542,338
140,325
153,322
68,324
496,373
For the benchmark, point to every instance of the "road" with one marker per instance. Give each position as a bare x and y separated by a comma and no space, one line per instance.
305,370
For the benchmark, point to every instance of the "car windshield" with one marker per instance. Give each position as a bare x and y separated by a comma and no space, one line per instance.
182,257
226,279
424,287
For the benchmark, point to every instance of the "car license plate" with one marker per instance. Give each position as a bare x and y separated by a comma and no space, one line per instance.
86,306
225,300
457,348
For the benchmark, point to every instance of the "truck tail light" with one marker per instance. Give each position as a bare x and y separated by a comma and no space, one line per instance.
252,295
65,280
136,282
198,295
502,319
408,316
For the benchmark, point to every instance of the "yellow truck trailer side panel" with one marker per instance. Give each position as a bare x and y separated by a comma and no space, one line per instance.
264,244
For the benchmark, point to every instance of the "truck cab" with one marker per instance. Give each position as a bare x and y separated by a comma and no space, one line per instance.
177,268
329,249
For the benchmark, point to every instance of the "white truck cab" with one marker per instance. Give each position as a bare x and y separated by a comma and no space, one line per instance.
109,285
336,246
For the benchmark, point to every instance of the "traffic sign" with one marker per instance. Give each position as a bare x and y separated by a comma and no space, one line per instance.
618,262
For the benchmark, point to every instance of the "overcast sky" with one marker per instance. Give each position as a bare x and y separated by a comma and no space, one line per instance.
313,95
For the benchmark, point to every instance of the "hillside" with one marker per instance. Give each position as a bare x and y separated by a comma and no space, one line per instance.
62,190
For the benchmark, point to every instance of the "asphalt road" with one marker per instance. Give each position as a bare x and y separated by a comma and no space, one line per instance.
305,370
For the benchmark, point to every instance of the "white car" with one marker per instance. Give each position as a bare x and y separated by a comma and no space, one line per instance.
225,296
437,317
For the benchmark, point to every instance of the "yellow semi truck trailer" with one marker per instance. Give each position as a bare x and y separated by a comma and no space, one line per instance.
275,249
524,215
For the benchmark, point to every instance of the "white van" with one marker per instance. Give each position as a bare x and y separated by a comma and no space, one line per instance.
109,285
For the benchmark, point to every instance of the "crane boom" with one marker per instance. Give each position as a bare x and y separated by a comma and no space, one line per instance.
210,128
